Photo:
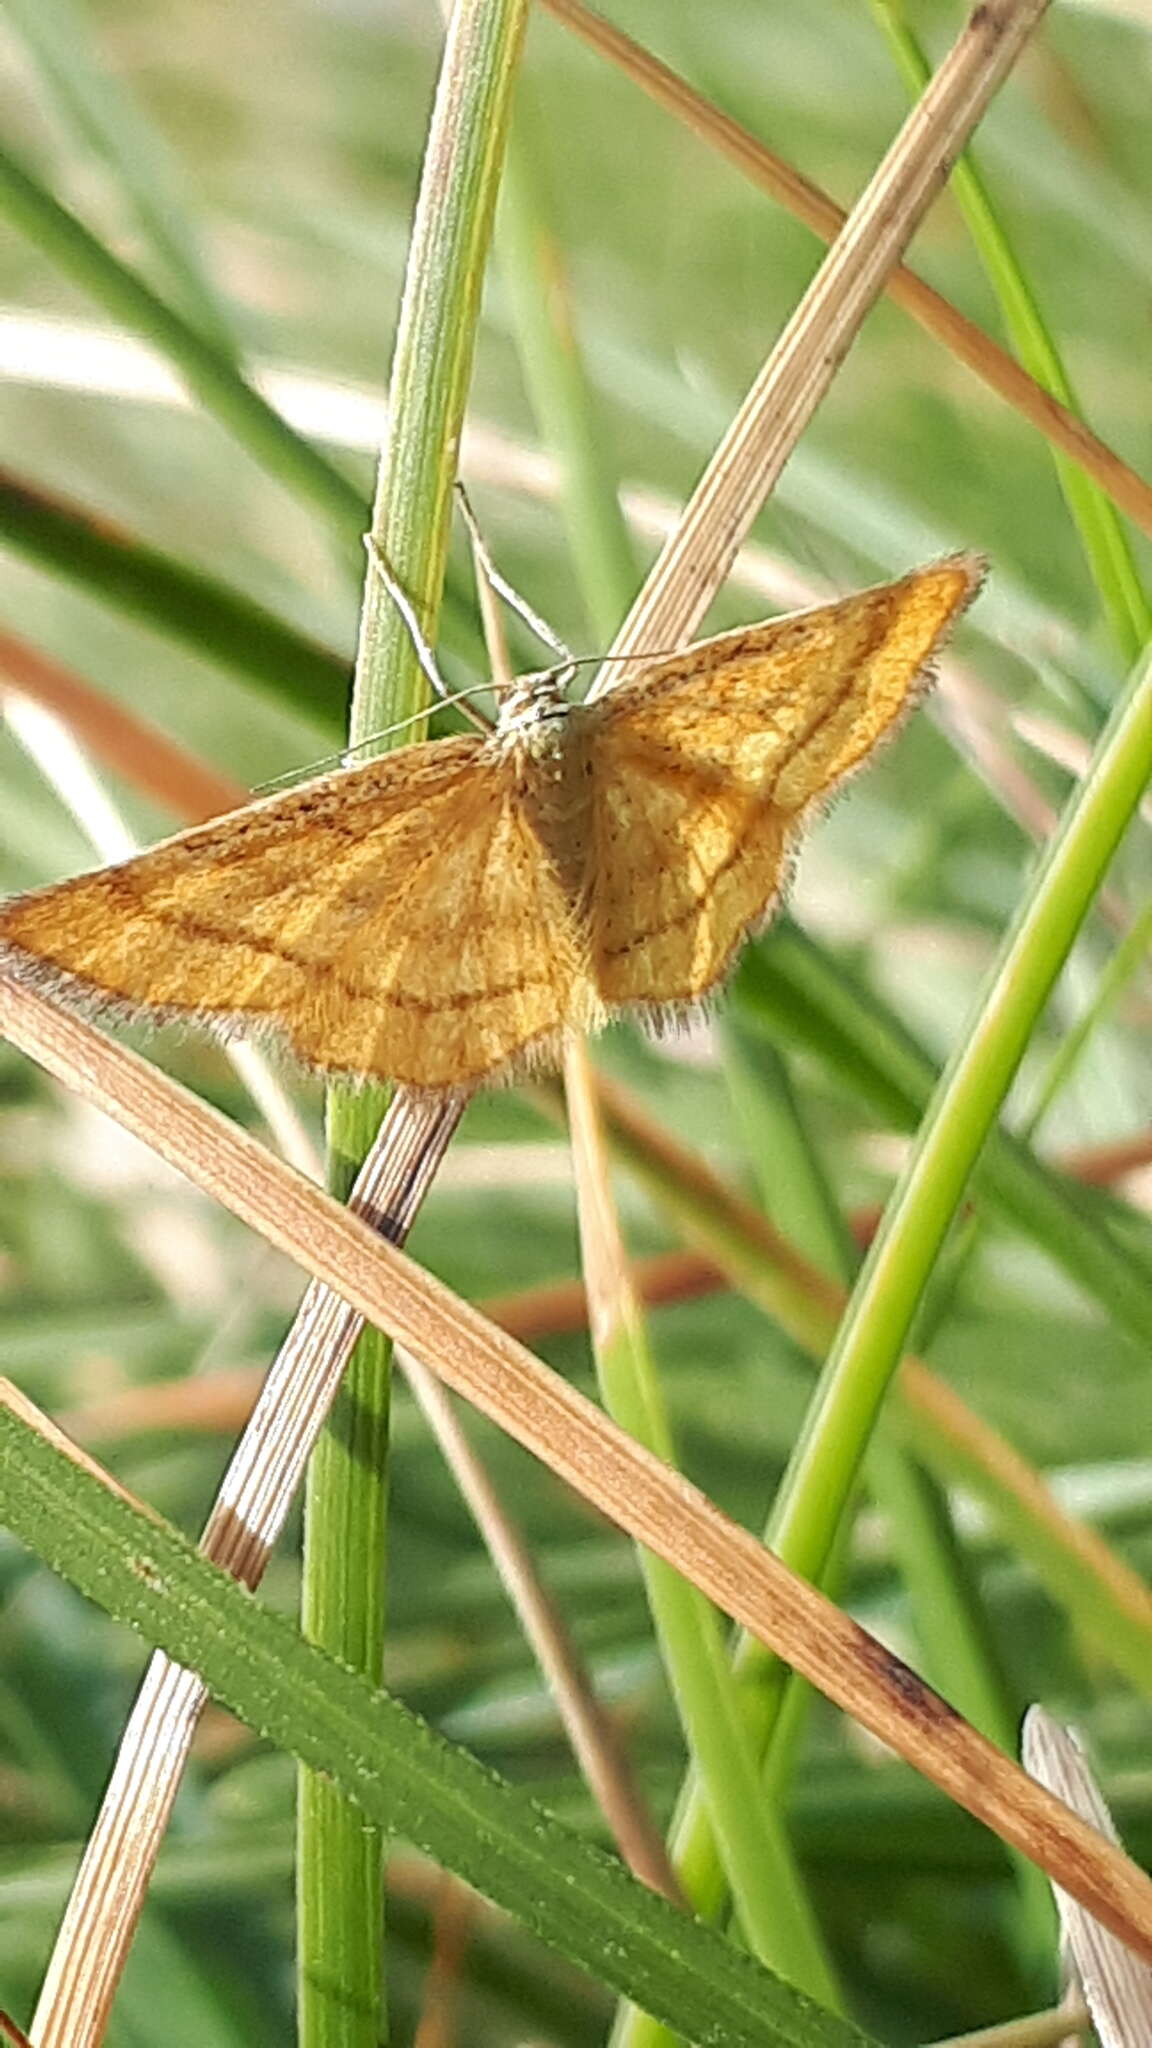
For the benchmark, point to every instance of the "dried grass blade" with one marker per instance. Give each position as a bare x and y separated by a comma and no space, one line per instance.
808,203
251,1507
635,1490
817,337
596,1743
1117,1986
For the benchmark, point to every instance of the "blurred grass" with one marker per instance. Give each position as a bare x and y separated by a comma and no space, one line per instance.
297,135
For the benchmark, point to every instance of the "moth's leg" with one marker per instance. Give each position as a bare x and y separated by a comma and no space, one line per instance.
511,596
406,609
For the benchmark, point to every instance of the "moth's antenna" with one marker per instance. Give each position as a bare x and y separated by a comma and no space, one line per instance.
293,777
460,697
511,596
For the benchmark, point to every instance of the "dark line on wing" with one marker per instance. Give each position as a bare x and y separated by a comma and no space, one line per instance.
683,917
196,928
764,802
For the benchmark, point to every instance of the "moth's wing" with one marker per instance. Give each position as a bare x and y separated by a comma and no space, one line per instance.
707,763
394,921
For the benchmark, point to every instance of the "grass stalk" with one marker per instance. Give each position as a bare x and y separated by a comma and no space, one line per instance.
208,371
1106,547
340,1948
189,605
875,1326
564,405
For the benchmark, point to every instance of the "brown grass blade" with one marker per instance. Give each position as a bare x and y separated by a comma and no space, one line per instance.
139,751
1117,1987
808,203
818,336
250,1510
652,1503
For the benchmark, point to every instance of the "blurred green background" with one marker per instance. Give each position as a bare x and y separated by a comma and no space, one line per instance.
294,135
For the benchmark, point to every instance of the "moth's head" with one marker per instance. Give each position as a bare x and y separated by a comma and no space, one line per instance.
533,703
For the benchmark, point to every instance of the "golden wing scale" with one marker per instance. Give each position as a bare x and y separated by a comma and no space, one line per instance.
446,914
710,772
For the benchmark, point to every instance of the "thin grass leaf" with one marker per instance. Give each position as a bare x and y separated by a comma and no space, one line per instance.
407,1780
208,372
192,607
340,1952
790,982
770,1900
1105,544
99,110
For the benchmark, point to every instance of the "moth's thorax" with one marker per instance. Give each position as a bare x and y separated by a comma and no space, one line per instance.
542,741
534,715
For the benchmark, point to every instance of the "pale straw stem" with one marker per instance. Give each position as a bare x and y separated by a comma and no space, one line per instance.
251,1507
816,339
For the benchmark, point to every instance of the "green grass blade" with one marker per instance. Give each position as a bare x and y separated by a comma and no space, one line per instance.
789,983
793,1188
875,1326
410,1781
771,1132
187,604
768,1894
97,109
208,373
1105,543
340,1879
